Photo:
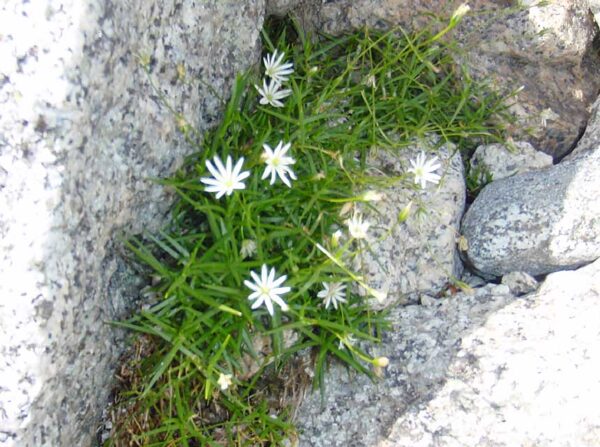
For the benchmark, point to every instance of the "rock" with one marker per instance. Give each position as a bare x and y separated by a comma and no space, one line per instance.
528,376
502,161
484,369
82,131
548,50
421,345
279,8
590,140
417,256
537,222
519,283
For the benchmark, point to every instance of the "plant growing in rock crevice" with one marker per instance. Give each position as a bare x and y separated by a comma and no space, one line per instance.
255,265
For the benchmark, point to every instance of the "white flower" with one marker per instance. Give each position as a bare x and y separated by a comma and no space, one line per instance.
224,381
357,227
248,248
278,163
271,93
275,69
266,289
225,178
332,293
424,170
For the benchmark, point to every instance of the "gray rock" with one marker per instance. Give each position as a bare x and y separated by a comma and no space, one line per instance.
483,369
280,7
547,50
472,280
82,131
528,376
421,345
537,222
417,256
502,161
590,141
519,283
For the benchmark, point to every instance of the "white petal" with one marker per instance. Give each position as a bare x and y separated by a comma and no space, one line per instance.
258,302
280,290
256,278
271,277
279,280
264,274
269,305
251,285
281,303
243,175
219,165
212,169
266,173
238,166
211,181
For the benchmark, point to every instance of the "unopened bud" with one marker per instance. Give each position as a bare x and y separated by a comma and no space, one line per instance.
335,238
381,362
460,12
372,196
403,214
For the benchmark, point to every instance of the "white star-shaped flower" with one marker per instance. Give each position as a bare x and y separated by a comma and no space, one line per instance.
275,69
332,293
278,163
266,289
357,227
271,93
225,179
423,170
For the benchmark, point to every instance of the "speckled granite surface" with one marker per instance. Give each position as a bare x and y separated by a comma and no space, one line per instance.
81,132
539,221
486,369
420,254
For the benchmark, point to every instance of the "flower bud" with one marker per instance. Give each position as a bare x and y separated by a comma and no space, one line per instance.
460,12
335,239
381,362
403,214
372,196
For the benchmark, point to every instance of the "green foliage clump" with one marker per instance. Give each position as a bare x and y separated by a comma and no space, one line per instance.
208,364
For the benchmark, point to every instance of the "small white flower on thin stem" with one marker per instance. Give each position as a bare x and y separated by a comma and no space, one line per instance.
266,289
225,179
276,69
278,163
358,227
271,93
332,294
224,381
248,248
423,170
